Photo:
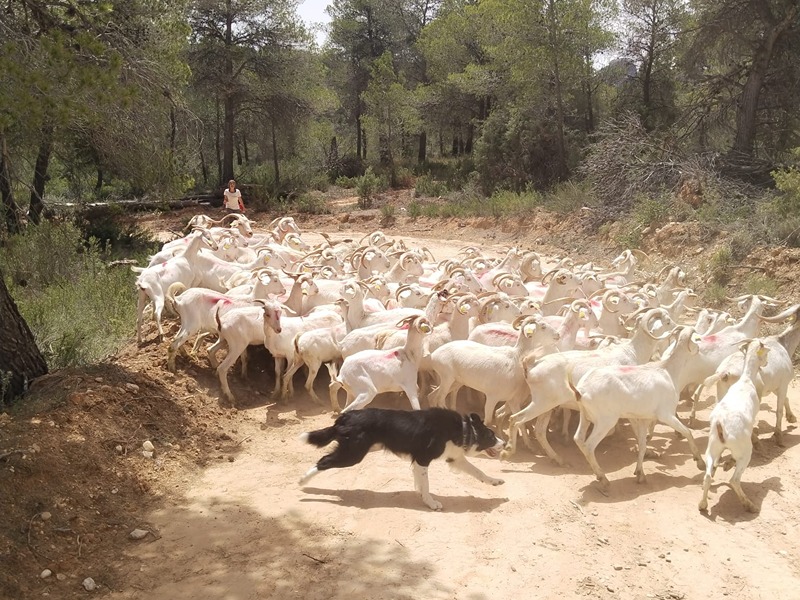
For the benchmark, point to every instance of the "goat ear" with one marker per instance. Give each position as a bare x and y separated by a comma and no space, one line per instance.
475,418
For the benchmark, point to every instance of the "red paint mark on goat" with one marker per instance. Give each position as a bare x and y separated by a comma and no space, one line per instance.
626,369
710,339
503,333
393,354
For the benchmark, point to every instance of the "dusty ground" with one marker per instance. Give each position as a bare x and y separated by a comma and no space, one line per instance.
227,520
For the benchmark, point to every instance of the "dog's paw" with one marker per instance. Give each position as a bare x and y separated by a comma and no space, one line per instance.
495,482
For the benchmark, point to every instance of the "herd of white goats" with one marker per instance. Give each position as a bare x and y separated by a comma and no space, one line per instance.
385,317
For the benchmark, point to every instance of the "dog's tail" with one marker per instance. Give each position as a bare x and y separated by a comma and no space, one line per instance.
320,437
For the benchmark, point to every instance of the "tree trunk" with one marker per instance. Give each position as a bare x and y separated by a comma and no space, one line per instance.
40,174
10,208
589,115
203,166
470,135
747,109
244,149
422,151
364,144
229,106
561,147
358,137
227,139
20,359
98,184
275,156
238,147
217,144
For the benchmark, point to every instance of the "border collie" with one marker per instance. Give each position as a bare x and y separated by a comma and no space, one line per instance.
424,435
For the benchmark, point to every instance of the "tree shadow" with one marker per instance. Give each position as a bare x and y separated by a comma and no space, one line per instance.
222,549
409,500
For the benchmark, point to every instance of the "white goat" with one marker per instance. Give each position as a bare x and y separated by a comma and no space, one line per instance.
495,371
731,424
153,282
238,328
776,376
640,393
366,374
549,378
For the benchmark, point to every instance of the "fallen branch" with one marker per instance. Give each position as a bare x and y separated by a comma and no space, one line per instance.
322,562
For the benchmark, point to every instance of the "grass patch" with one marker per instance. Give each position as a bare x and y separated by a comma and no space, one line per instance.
388,211
311,205
715,295
414,209
347,182
568,197
79,310
429,187
761,284
719,265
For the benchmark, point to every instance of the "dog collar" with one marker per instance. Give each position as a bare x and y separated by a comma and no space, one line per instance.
467,433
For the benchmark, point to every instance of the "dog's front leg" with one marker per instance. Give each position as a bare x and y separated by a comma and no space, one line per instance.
462,464
421,485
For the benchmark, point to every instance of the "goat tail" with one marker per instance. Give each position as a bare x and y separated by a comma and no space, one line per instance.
176,289
216,318
380,339
720,433
320,437
295,343
575,391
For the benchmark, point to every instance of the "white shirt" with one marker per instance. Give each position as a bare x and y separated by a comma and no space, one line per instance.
232,198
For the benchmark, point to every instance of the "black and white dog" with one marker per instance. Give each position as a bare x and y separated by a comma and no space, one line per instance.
424,435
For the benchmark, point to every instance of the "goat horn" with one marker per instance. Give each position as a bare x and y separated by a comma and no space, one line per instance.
780,317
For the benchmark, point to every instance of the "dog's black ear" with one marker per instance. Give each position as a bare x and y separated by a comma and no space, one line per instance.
475,418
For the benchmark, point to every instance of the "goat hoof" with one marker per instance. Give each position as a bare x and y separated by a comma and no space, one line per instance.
701,464
495,482
703,506
640,477
652,454
505,454
603,484
779,439
750,507
791,418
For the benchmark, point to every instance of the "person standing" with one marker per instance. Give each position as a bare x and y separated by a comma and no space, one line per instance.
233,199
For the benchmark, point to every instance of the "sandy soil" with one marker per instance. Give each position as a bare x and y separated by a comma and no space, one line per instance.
227,519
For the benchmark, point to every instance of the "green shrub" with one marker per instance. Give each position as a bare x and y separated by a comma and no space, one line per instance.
569,196
787,181
111,226
720,265
311,204
388,211
414,209
761,284
403,178
715,295
367,187
652,211
347,182
78,309
427,186
430,210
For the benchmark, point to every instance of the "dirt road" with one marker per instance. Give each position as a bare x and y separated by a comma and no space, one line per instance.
245,530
